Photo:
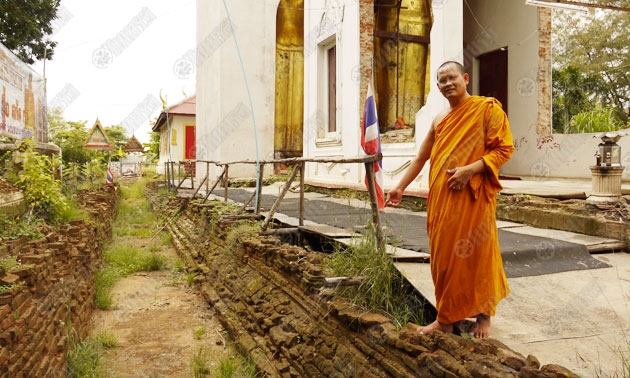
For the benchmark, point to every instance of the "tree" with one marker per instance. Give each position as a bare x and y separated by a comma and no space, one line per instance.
69,136
596,45
25,26
154,145
570,95
117,138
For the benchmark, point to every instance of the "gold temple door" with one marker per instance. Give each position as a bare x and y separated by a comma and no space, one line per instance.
401,61
289,96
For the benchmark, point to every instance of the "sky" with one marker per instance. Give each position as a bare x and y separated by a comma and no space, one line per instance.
114,57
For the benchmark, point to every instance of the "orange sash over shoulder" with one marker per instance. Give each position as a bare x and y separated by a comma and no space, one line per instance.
466,261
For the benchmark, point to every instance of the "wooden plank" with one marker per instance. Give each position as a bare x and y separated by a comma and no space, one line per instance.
343,281
329,231
397,253
280,231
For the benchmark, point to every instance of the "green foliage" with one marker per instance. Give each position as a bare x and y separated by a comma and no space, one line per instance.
117,138
18,227
89,175
570,95
7,263
42,192
69,136
154,146
383,288
596,120
595,47
26,27
84,356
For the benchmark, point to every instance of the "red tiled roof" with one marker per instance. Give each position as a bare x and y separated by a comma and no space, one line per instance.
187,107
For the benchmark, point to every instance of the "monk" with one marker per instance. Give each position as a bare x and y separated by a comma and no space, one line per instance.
467,144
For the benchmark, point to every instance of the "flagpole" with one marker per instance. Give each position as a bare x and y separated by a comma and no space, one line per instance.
376,214
371,144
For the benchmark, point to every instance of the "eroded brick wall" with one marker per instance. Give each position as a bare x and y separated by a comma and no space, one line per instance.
58,276
266,294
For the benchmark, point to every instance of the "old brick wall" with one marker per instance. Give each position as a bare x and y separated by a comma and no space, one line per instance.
266,293
58,276
543,125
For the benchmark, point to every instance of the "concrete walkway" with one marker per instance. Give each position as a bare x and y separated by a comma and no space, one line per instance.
578,318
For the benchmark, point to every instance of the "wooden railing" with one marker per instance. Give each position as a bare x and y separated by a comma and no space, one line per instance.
299,163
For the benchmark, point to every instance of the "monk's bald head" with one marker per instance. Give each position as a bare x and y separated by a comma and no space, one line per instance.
455,64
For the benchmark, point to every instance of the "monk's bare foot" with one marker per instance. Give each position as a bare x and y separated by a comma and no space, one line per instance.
482,326
436,325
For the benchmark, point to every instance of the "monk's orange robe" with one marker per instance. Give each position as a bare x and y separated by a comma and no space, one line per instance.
466,263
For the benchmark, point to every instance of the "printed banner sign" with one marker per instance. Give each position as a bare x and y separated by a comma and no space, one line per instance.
23,103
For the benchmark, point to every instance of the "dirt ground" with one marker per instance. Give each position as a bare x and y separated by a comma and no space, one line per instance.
159,324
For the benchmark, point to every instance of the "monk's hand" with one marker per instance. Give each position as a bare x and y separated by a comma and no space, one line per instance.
459,178
393,198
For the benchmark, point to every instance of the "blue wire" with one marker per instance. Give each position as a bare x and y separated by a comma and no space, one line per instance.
251,103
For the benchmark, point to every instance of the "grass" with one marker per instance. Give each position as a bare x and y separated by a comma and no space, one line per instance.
132,249
200,363
383,288
235,237
234,365
199,332
11,287
84,356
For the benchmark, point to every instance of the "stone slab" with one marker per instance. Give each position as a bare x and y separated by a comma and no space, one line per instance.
577,319
592,243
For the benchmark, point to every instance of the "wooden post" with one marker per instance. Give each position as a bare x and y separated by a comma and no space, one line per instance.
172,163
376,216
168,177
259,188
192,175
279,199
226,183
213,186
247,203
301,216
199,187
207,175
184,179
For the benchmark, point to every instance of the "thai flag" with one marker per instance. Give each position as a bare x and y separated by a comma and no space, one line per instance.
371,141
109,180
